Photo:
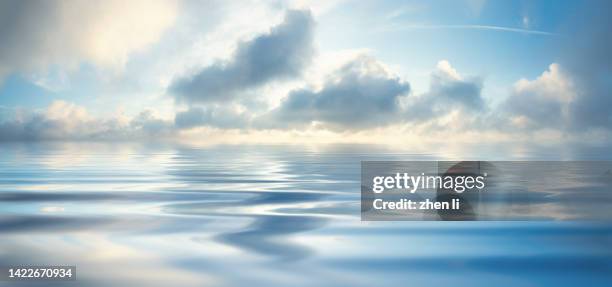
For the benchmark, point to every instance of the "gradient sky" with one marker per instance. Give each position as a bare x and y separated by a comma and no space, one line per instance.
319,69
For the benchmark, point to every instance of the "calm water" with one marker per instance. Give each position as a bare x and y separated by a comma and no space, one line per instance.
156,215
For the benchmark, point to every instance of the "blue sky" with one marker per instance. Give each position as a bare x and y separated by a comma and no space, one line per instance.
317,69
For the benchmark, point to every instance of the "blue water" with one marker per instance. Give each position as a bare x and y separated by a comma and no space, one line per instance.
130,214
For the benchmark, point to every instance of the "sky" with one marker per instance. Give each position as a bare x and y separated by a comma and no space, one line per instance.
300,71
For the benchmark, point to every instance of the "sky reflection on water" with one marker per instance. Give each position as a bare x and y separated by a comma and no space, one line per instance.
154,215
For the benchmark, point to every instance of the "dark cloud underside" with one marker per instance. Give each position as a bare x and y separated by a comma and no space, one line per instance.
281,54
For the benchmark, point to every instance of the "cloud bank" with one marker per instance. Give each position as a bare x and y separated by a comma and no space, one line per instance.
67,121
361,94
219,116
570,96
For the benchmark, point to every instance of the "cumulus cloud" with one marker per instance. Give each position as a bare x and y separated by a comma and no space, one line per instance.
361,94
37,34
448,91
573,95
280,54
364,94
543,102
67,121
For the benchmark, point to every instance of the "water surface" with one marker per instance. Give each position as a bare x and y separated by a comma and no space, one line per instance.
130,214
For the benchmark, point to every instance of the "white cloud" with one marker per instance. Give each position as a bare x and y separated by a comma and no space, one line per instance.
544,101
553,84
449,93
446,71
67,121
37,34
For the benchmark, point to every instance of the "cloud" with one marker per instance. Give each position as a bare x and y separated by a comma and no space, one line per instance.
148,123
587,59
360,94
543,102
62,120
280,54
268,82
218,116
67,121
363,94
573,95
448,91
38,34
472,27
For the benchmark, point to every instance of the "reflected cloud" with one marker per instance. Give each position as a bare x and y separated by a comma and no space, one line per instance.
156,215
271,236
49,224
